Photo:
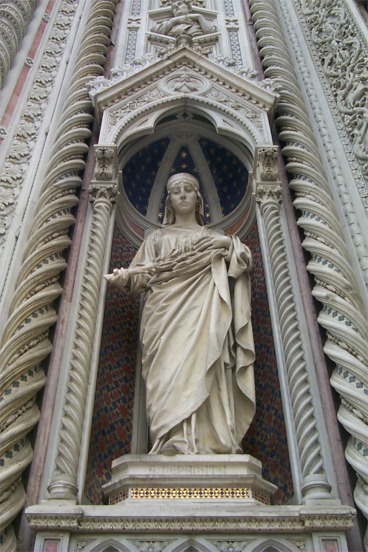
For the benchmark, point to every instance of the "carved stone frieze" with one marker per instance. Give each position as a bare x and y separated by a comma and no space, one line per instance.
267,519
339,52
183,24
15,166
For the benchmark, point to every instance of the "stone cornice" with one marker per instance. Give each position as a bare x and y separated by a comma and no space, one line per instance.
265,519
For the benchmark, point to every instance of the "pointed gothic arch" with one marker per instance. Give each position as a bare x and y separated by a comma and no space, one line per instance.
271,545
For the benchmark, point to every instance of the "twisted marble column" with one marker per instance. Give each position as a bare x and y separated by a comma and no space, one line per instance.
64,484
15,16
268,193
335,287
25,342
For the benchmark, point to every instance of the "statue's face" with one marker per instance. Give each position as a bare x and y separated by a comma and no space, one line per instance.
183,198
180,8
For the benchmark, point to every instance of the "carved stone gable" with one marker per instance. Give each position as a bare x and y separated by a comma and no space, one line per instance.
183,78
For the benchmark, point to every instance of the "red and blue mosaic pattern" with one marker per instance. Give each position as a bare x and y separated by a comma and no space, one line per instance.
113,409
266,437
112,421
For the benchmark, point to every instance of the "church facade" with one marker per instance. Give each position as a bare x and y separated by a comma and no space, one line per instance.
265,103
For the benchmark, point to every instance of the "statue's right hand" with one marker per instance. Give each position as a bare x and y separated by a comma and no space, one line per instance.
118,276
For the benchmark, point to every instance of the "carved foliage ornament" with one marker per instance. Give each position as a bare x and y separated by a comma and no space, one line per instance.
341,53
16,163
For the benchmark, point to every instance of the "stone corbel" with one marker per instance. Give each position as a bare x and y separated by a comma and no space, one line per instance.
310,458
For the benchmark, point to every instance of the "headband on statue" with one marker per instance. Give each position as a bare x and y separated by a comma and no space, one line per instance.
175,179
182,177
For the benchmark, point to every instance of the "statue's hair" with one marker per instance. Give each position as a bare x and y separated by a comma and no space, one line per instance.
169,217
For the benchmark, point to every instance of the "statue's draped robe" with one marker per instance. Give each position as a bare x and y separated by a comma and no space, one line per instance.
197,343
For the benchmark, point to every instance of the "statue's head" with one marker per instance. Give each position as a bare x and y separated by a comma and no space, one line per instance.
173,181
181,7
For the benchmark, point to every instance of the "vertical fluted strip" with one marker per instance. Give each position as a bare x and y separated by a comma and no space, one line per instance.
64,483
342,315
25,344
314,479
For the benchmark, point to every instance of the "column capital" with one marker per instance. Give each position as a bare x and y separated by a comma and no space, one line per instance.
268,189
104,185
106,162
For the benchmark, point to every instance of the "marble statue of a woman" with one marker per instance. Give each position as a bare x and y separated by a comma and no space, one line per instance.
196,334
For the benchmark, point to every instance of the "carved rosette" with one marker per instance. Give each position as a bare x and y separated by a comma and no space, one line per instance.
342,315
15,16
268,196
25,344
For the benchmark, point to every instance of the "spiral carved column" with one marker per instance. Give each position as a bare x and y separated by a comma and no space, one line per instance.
268,192
102,193
15,16
342,314
25,341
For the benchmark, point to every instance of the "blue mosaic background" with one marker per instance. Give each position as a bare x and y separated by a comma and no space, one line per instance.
112,421
229,174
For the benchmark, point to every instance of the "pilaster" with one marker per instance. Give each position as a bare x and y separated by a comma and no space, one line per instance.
313,477
103,191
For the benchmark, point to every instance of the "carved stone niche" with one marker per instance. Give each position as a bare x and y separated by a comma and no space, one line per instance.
131,105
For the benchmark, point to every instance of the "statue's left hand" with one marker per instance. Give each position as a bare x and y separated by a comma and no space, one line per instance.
212,242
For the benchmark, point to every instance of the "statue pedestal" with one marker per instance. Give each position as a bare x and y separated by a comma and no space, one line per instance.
220,477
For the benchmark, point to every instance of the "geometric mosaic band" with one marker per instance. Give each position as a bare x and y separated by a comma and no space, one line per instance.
190,493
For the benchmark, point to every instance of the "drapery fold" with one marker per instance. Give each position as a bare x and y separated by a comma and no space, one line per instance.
197,343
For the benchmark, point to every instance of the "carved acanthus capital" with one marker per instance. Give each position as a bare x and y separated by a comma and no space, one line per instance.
266,163
268,189
269,193
105,168
103,191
